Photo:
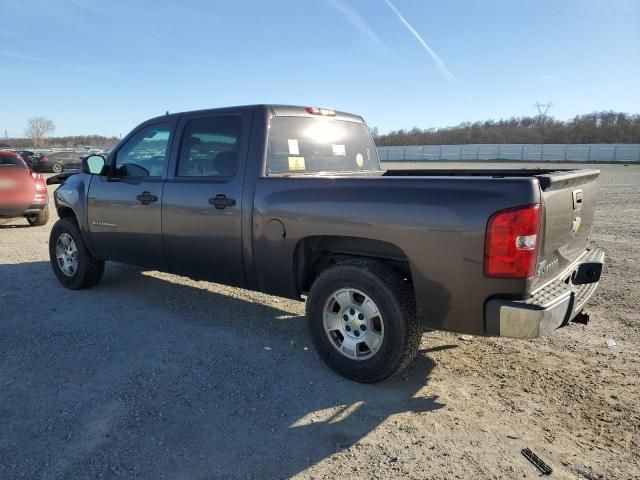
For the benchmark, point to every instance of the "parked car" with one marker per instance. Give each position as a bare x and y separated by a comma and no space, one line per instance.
27,156
38,162
23,193
292,201
61,161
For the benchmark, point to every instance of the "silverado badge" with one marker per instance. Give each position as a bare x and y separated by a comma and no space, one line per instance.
575,225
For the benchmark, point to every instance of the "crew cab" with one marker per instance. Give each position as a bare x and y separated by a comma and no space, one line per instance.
292,201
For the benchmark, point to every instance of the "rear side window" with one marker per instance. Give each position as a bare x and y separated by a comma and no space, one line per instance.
10,160
210,147
311,145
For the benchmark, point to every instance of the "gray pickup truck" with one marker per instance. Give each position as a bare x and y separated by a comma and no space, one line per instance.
292,201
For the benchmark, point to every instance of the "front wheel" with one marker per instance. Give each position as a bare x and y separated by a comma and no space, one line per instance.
72,263
57,168
362,321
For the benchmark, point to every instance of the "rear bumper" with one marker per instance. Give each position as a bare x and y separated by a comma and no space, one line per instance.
36,208
21,210
551,307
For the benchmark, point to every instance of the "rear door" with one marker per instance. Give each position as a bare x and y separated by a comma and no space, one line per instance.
569,201
125,209
201,211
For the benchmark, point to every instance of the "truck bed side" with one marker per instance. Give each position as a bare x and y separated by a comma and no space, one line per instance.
434,224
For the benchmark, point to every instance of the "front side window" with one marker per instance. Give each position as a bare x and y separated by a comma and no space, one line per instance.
210,147
144,154
312,145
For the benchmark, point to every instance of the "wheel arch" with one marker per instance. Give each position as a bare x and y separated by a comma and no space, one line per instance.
68,213
312,255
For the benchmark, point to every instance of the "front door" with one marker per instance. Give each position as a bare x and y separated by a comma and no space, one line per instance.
201,210
125,208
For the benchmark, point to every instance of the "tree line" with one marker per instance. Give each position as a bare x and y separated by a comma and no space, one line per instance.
596,127
60,142
39,128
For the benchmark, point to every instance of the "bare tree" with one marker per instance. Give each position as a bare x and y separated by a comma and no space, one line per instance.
38,128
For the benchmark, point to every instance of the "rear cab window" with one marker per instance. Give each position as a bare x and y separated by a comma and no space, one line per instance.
300,145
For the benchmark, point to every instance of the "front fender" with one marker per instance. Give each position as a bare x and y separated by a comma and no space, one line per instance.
72,196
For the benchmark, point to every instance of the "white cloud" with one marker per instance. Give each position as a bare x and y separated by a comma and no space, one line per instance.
438,61
549,76
355,19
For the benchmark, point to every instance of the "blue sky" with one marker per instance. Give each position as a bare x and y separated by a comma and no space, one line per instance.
96,66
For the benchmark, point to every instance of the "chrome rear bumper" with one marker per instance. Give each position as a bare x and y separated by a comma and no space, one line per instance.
551,307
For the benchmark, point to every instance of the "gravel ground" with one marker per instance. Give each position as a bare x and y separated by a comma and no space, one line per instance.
152,376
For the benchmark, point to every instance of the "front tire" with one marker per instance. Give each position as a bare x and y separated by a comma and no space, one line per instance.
39,219
361,318
72,263
57,168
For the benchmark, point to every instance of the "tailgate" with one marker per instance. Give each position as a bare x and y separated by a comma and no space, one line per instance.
568,200
17,188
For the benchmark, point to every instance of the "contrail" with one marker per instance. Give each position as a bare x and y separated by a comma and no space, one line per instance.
137,26
439,63
82,68
39,60
354,19
50,62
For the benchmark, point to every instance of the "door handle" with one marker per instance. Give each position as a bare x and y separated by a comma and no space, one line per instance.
221,201
146,198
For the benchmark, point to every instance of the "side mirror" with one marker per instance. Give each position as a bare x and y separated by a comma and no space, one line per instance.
93,164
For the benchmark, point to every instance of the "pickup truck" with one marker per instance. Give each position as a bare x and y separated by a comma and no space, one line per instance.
292,201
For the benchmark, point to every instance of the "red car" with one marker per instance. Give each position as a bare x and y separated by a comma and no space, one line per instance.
23,193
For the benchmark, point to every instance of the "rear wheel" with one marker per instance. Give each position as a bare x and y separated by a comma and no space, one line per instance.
72,263
39,219
57,168
361,319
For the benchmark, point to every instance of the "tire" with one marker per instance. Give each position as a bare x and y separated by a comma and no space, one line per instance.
398,324
40,219
57,168
88,271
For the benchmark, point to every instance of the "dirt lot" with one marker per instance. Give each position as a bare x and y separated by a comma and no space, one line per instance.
152,376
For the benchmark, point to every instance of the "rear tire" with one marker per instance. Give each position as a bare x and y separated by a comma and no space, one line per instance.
57,168
40,219
374,287
81,269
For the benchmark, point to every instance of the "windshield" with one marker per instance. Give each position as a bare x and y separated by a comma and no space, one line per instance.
308,145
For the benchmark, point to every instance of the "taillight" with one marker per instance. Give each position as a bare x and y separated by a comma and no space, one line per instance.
321,111
511,246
